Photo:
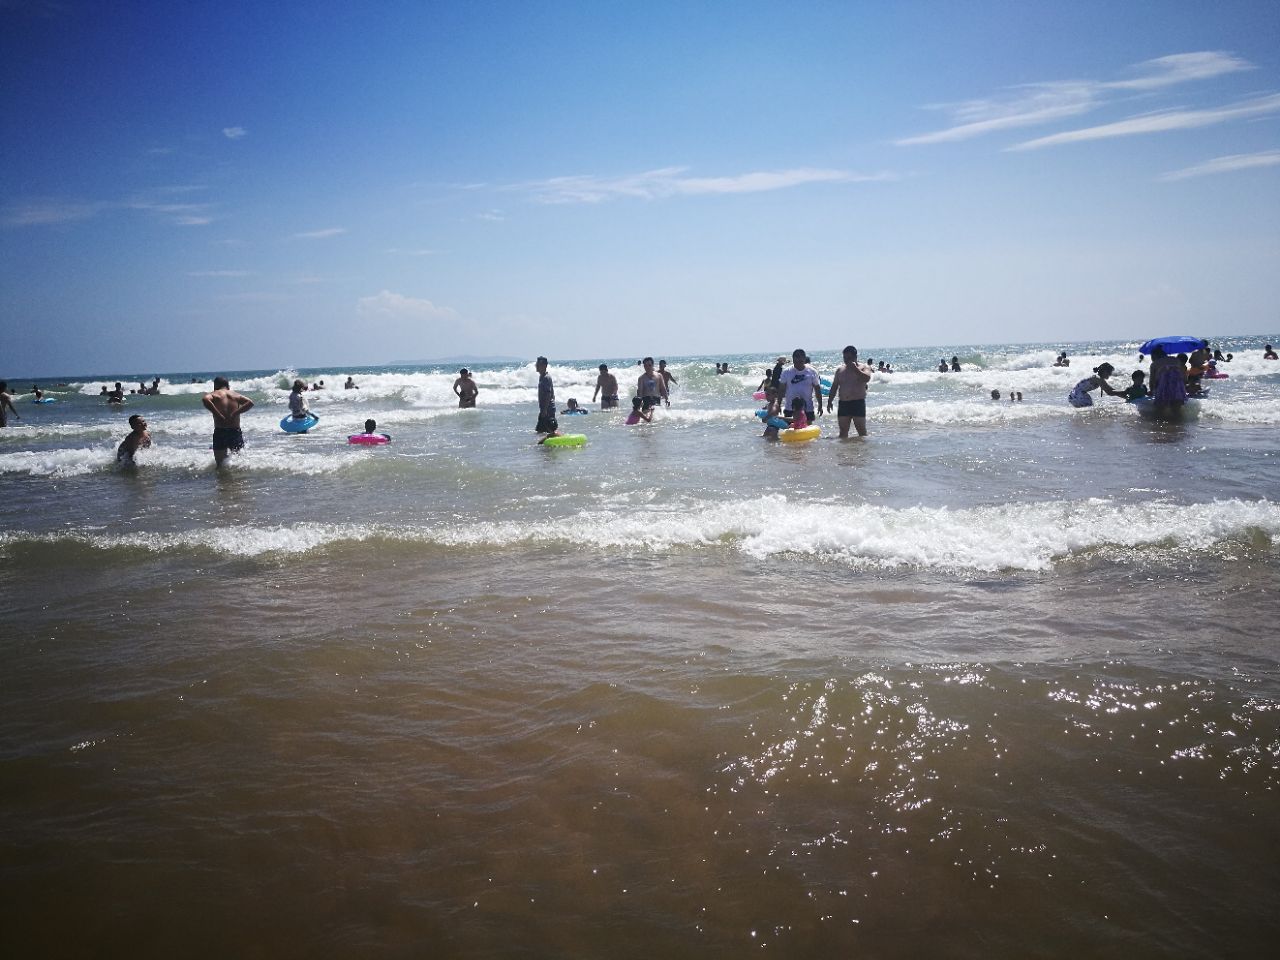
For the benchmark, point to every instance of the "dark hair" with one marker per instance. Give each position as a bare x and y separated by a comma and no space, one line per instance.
851,349
604,366
798,352
541,360
464,371
221,383
647,360
635,403
136,416
370,425
1104,366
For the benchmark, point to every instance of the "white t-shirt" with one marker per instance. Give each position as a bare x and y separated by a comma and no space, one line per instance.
799,383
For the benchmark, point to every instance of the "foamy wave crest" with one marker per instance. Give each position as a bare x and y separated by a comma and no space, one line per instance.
967,411
1030,537
1243,411
85,460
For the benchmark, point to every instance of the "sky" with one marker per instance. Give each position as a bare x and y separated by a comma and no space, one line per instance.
246,185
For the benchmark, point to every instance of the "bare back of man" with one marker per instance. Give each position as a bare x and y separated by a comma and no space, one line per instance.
226,406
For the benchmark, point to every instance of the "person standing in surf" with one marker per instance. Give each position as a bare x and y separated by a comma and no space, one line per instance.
650,387
466,389
607,383
226,406
547,424
6,404
802,381
849,383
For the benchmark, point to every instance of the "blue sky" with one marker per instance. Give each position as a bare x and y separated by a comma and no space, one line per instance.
247,185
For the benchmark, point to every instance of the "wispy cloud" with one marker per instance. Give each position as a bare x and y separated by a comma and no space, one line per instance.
672,182
397,306
234,133
1158,123
1181,68
39,213
1238,161
319,234
1039,103
219,273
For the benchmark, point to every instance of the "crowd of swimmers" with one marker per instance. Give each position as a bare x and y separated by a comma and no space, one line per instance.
794,396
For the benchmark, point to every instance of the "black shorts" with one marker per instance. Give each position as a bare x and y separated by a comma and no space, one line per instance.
608,403
852,408
466,403
647,403
227,438
546,425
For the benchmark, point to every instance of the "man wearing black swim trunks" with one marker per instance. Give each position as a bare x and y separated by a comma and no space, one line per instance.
226,406
849,383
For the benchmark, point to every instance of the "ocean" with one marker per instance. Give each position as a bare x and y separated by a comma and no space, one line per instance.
1000,680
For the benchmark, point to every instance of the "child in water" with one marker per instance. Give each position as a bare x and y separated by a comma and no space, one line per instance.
637,414
134,441
1139,388
1079,396
798,419
573,408
298,403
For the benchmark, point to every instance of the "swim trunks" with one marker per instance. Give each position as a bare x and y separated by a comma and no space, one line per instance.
465,403
852,408
647,403
227,438
607,403
546,425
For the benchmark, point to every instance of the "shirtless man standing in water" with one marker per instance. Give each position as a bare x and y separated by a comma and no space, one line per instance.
849,384
226,406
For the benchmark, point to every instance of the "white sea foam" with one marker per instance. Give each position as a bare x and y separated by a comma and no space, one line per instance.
79,461
968,411
1029,537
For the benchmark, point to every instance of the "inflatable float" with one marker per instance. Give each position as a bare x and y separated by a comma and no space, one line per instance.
43,400
566,440
791,435
369,439
774,421
290,425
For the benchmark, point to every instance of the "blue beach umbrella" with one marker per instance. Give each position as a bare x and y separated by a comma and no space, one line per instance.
1173,345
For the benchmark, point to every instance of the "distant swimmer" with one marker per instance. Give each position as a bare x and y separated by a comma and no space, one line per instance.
6,404
350,384
665,374
1079,396
942,366
547,424
638,413
606,389
651,388
134,441
298,403
955,364
1062,360
1269,354
226,406
995,395
849,384
154,389
574,408
466,389
116,395
1217,355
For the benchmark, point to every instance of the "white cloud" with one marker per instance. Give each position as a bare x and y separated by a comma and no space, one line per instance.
671,182
1045,102
319,234
396,306
1158,123
1181,68
234,133
1239,161
1031,105
39,213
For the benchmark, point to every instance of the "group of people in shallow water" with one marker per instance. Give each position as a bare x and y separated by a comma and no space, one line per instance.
1169,383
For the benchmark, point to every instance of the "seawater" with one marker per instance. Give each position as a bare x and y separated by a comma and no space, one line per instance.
999,680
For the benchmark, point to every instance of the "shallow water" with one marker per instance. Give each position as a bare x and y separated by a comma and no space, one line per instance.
999,680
